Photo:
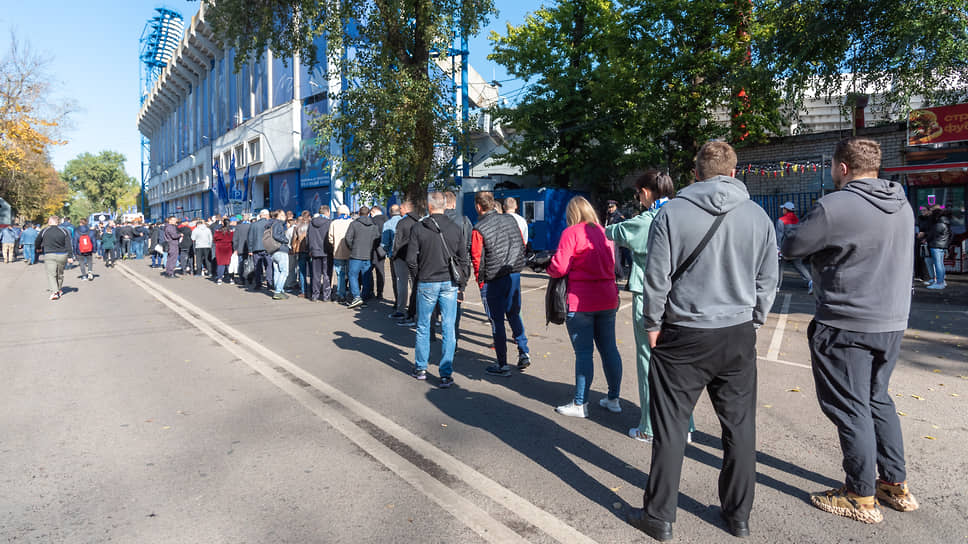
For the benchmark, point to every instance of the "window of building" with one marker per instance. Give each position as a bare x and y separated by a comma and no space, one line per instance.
259,88
255,151
226,161
281,80
239,155
312,81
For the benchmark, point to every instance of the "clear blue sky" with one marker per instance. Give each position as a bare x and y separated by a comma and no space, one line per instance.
93,51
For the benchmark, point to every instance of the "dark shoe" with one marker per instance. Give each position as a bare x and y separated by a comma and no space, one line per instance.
419,374
445,382
397,315
498,370
656,528
737,528
524,361
280,296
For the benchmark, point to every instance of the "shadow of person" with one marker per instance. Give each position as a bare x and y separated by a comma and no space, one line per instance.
385,352
549,445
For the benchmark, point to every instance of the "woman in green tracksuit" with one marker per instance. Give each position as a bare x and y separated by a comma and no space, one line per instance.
109,243
652,189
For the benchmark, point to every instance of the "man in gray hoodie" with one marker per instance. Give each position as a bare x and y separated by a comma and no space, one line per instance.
701,317
861,250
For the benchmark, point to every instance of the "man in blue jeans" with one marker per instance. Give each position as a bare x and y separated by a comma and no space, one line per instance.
497,253
28,239
362,237
433,242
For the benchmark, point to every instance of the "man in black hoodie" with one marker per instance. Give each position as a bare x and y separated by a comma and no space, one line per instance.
401,240
362,238
433,242
257,251
377,275
320,255
186,257
860,247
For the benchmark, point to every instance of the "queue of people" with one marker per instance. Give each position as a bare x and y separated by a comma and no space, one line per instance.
703,274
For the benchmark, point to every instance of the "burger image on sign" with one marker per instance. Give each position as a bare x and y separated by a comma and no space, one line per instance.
923,126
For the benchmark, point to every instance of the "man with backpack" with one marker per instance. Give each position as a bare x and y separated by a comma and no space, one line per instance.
257,251
84,249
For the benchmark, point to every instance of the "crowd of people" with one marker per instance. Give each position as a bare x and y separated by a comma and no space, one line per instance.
703,273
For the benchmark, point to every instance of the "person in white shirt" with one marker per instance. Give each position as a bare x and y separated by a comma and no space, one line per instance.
202,237
511,208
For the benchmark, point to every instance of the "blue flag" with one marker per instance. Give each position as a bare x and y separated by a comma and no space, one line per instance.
245,182
217,175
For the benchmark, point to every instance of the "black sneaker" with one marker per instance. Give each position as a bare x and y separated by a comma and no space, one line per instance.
407,323
280,296
498,370
420,374
524,361
445,382
397,315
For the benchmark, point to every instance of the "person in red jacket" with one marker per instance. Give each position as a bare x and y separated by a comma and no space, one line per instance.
223,250
784,225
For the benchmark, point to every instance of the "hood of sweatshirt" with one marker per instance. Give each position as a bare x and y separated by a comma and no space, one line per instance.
84,229
320,221
887,196
716,195
366,220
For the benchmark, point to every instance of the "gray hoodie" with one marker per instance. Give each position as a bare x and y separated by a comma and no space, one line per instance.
861,254
732,281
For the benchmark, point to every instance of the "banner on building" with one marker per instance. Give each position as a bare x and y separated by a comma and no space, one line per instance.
938,125
314,168
285,191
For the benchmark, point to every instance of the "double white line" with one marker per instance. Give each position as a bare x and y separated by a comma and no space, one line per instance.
319,397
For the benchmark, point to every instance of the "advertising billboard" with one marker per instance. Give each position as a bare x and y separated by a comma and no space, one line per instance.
938,125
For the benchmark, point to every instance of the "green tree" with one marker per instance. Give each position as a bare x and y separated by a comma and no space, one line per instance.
101,178
394,108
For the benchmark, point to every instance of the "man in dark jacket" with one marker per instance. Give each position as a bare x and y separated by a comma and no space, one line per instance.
320,255
171,237
240,245
125,235
362,238
466,228
861,250
401,240
280,257
155,235
257,252
938,238
186,255
497,253
57,245
85,258
377,276
433,242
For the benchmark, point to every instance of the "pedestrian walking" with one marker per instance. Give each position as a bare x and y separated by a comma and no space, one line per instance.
785,224
84,249
710,280
9,236
172,238
57,245
341,252
859,243
28,243
587,258
652,189
434,243
497,254
109,242
222,239
321,255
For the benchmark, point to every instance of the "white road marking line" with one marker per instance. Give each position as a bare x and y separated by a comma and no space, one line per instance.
788,363
774,350
624,306
468,513
522,292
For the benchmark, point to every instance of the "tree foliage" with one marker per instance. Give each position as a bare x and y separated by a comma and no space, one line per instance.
28,128
101,178
392,110
647,83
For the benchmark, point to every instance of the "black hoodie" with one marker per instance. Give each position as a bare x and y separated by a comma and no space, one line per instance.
862,253
362,237
318,237
427,257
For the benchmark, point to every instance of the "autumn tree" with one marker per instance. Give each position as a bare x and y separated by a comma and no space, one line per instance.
28,128
101,178
393,106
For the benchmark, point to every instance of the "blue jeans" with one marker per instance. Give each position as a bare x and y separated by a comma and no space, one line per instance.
588,330
502,298
157,259
429,295
937,258
341,267
29,254
358,267
302,272
280,270
139,249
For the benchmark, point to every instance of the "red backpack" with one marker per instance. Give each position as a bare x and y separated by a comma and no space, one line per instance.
84,244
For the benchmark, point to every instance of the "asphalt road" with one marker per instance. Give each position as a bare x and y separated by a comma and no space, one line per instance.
140,409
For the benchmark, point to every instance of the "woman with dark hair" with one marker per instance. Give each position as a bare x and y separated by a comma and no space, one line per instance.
652,190
939,237
223,249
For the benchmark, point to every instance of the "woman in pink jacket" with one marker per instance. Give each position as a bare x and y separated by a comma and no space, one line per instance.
587,257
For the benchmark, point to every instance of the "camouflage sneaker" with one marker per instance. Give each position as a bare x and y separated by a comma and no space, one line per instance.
847,504
896,496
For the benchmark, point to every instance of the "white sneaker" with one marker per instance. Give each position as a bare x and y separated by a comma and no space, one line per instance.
573,410
640,436
689,438
611,404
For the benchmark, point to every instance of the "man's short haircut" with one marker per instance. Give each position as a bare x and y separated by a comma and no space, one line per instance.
343,209
376,207
53,220
82,221
715,159
324,210
450,198
510,204
264,213
364,211
436,201
859,154
394,209
484,199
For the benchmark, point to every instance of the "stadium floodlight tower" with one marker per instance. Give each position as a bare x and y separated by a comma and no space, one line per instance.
159,39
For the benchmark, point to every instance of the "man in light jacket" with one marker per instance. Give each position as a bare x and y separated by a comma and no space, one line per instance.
341,252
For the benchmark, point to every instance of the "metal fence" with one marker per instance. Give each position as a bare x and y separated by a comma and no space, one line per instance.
771,203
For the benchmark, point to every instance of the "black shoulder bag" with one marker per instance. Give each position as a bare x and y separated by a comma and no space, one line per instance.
456,277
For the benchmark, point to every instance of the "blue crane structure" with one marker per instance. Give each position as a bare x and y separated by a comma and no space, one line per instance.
158,42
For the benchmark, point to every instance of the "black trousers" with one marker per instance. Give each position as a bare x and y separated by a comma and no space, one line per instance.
321,284
851,371
263,269
203,258
379,273
686,361
186,260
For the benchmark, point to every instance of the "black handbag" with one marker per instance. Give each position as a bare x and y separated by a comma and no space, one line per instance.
556,300
456,277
